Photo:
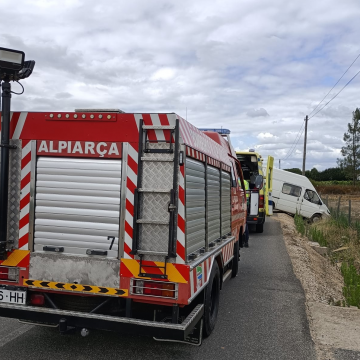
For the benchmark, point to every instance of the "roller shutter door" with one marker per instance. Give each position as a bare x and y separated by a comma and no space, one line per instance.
225,203
77,205
213,203
195,205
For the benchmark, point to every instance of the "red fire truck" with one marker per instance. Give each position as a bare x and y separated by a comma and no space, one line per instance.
119,221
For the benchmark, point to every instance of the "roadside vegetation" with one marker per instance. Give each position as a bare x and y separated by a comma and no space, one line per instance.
343,242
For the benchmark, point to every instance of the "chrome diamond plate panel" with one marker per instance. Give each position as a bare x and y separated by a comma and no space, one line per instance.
154,237
14,194
157,175
155,206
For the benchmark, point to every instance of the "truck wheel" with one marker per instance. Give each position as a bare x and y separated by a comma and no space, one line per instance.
235,261
211,303
315,218
259,228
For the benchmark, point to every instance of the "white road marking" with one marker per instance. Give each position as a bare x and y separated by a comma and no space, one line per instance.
14,334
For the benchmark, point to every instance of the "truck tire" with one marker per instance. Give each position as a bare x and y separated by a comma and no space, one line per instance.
211,303
235,261
315,218
260,228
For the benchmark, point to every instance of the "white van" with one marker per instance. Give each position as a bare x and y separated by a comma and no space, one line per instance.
295,193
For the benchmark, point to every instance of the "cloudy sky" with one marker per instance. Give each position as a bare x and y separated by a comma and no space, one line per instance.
256,67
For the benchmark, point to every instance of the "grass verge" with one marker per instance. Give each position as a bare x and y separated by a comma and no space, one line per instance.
343,242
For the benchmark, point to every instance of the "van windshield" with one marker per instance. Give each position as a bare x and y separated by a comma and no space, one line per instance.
312,196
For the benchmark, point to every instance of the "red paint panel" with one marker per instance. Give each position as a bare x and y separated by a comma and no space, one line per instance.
39,126
13,123
24,201
180,250
195,280
133,165
89,149
184,293
182,170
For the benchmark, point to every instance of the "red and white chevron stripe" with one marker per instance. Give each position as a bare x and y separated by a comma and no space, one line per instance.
131,184
213,162
228,252
199,275
225,167
195,154
180,247
25,195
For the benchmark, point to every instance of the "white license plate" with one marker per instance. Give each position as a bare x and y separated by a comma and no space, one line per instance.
12,296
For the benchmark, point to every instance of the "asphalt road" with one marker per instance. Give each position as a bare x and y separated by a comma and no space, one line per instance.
262,316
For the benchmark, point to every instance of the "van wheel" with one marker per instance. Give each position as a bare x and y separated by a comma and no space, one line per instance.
235,261
260,228
315,218
212,298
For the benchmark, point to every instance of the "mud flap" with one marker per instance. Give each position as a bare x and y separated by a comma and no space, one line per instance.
194,338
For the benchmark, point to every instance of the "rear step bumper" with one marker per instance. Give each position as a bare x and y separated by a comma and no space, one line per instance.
104,322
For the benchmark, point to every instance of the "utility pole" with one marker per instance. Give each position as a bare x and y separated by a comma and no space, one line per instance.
279,163
305,138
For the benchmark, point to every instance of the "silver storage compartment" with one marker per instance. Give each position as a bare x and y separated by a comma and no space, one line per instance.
225,203
213,203
195,205
77,205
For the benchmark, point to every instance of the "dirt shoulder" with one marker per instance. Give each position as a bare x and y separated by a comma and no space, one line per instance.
331,327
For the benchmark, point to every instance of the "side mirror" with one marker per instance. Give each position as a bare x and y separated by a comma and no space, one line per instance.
259,181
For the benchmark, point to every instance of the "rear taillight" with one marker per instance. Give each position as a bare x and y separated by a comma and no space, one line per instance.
4,273
9,273
261,201
37,299
154,288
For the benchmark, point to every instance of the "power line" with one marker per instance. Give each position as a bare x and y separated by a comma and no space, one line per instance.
334,85
293,146
337,94
298,136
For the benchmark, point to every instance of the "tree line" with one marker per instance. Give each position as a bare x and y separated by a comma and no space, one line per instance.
349,165
331,174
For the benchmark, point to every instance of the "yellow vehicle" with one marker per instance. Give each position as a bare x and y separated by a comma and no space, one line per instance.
260,203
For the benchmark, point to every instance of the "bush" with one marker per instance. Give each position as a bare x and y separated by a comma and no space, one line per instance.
318,236
351,290
300,224
329,189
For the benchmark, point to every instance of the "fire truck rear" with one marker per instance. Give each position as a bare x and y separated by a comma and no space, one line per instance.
117,221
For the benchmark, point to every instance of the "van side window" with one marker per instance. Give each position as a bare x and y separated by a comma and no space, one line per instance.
312,196
292,190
